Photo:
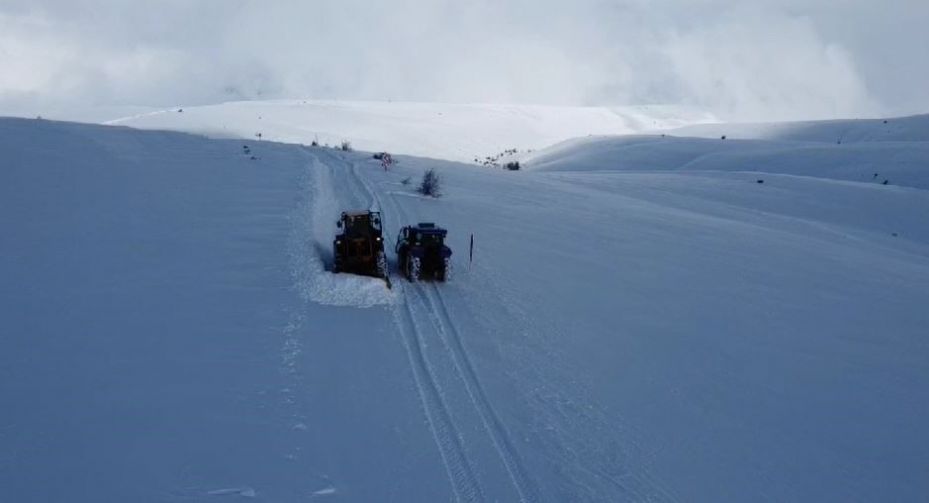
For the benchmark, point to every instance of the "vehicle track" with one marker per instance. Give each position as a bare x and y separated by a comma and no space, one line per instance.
430,297
446,432
451,338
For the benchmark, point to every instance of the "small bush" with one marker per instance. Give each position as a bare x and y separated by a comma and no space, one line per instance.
430,184
406,181
346,146
512,165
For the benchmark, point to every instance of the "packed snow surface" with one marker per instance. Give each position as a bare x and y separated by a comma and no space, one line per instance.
642,321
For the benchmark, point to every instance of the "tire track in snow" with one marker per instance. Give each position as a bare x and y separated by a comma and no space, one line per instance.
451,339
444,430
447,435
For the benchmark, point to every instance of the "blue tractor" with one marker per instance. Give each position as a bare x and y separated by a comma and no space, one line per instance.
422,253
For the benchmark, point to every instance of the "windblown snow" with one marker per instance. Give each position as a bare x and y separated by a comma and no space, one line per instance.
667,316
444,131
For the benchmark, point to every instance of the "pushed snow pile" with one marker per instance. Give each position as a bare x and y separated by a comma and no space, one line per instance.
316,283
896,162
462,133
321,286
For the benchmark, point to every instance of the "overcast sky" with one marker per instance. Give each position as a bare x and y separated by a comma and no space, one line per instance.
763,59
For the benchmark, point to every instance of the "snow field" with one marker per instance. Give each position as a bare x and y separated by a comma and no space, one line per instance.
642,321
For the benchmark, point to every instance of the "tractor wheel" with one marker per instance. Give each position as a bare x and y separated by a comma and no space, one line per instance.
446,272
382,265
413,269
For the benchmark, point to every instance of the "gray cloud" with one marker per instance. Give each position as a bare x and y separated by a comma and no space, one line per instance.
761,60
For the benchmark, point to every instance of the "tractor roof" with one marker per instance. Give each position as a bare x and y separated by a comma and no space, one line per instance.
358,213
429,228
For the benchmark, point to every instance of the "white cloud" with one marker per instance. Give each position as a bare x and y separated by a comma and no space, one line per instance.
764,59
759,63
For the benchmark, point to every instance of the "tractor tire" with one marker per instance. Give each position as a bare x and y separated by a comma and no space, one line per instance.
413,269
382,265
446,273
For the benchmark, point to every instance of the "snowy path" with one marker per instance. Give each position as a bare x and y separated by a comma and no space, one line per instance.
429,302
420,318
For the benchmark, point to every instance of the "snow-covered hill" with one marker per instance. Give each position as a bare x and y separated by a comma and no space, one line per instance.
895,151
913,128
169,331
446,131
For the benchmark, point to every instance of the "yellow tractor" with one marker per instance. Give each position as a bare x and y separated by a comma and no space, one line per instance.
359,246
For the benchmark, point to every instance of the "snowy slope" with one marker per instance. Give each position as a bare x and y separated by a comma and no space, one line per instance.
77,112
155,345
899,156
446,131
912,128
171,332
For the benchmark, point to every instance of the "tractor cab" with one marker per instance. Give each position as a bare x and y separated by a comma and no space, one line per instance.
360,222
424,234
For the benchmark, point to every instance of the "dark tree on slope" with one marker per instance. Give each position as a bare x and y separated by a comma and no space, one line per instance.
431,184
